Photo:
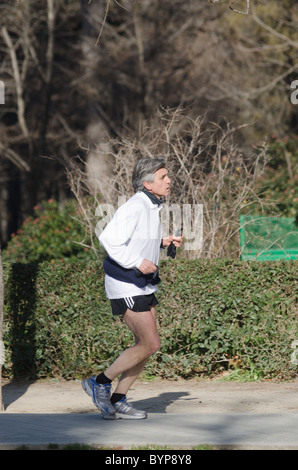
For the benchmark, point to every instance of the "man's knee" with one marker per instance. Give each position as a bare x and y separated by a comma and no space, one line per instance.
153,346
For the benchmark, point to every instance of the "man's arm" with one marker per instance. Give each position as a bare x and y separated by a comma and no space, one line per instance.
115,236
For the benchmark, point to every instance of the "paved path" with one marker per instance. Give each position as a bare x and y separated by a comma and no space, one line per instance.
180,414
244,430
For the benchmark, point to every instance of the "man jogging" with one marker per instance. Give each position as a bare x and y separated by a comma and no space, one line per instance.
133,241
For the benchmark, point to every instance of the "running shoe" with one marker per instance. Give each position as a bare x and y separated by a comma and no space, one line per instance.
100,394
125,411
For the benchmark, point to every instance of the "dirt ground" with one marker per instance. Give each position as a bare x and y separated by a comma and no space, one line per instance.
157,396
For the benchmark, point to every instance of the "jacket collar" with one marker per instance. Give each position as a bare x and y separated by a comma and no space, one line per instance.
154,199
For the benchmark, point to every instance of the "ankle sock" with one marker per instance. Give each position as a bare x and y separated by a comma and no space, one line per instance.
102,379
116,397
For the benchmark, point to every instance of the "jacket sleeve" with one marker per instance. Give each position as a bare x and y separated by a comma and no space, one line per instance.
116,235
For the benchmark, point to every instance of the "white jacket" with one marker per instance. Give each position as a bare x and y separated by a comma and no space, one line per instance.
133,234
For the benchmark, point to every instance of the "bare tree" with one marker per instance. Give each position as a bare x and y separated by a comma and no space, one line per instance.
63,86
264,47
37,119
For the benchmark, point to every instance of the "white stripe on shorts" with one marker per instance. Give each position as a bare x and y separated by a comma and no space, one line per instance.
129,302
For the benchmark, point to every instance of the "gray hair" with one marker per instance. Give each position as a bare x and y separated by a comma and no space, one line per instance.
144,171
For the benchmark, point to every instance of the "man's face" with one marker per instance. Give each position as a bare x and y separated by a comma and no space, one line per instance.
161,184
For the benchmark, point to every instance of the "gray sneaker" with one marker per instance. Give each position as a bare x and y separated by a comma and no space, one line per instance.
100,394
125,411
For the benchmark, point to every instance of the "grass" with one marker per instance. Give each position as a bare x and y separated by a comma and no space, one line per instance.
155,447
240,375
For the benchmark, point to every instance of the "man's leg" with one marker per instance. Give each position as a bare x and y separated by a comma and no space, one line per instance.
132,361
129,364
130,375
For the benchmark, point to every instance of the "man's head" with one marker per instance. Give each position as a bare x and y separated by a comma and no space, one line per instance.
151,174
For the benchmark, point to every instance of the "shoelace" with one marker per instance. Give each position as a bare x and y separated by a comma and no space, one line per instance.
104,391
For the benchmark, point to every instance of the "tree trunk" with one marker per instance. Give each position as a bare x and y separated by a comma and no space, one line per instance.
99,162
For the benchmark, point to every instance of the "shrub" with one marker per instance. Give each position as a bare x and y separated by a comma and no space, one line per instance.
212,315
51,233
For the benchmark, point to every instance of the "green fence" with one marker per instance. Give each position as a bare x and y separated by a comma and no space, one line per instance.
268,238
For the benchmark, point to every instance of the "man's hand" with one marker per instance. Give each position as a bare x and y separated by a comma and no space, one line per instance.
177,241
147,267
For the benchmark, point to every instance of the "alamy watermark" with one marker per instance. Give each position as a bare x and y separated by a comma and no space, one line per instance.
294,95
187,218
294,355
2,92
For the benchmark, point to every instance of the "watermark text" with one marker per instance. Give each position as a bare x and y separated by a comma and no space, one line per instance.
187,218
294,355
2,92
294,95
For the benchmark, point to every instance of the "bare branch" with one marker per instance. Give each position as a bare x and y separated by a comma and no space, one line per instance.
272,31
18,81
14,157
231,6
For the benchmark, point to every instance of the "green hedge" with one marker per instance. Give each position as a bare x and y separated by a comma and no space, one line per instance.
212,316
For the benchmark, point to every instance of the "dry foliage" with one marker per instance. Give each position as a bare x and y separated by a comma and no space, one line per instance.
205,165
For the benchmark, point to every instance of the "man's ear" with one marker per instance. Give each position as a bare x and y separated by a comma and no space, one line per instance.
147,185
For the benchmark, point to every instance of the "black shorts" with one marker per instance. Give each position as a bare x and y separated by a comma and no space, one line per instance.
138,303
